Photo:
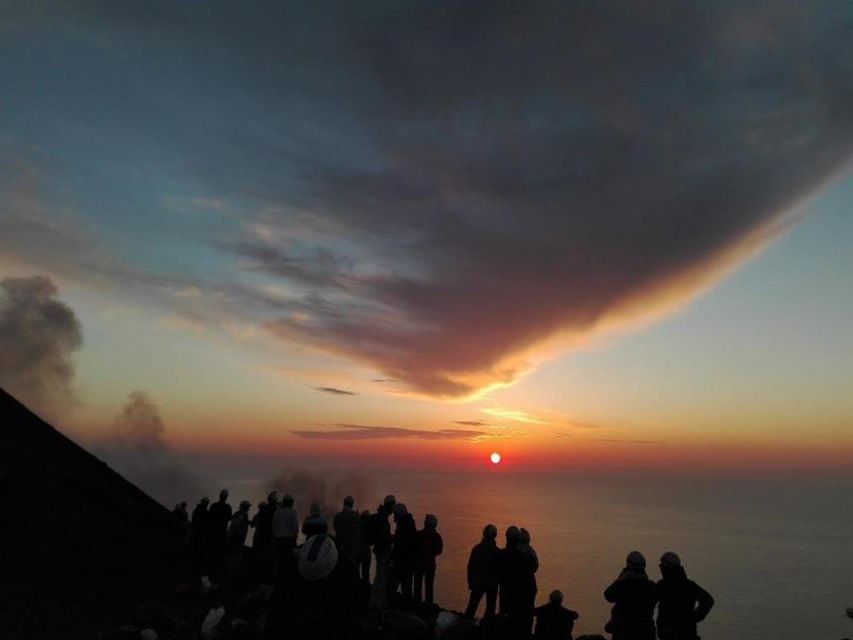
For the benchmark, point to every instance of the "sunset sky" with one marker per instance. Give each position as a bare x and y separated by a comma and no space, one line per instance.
582,234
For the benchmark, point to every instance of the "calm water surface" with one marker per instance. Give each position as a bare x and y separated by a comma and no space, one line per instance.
775,555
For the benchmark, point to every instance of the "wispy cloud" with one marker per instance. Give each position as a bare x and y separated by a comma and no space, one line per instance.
471,423
335,391
516,415
369,432
626,441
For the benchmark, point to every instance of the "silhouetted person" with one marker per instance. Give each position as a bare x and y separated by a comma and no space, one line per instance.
235,541
429,546
681,602
285,529
553,620
403,552
483,573
524,544
380,535
263,521
262,541
180,513
220,515
517,584
345,523
634,597
200,525
315,523
361,546
239,527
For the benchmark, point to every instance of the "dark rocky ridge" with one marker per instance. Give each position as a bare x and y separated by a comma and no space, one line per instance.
80,546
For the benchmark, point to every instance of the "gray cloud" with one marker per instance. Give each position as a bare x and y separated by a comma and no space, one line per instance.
472,423
38,335
335,391
367,432
136,447
328,489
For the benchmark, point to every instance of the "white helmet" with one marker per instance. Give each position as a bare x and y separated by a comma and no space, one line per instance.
317,557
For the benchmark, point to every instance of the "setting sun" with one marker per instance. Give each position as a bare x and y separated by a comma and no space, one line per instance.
495,458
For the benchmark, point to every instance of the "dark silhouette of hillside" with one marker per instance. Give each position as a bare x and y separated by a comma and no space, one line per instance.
80,546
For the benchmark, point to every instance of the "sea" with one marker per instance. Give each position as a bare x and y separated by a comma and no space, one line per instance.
776,553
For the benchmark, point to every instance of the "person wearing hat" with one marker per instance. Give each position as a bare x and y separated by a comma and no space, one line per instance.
682,602
634,597
430,545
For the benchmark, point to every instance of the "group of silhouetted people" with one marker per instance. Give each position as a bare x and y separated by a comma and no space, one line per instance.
405,556
681,603
405,567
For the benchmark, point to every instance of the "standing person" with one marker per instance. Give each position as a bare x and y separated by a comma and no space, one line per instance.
183,519
380,530
345,523
239,527
220,515
262,541
285,529
200,530
529,595
634,597
517,584
361,547
403,552
483,577
315,524
235,541
681,602
180,513
429,546
553,620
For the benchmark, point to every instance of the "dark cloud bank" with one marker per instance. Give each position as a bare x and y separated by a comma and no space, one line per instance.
446,186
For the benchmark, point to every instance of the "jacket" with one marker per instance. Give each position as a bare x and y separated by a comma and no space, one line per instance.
483,566
682,604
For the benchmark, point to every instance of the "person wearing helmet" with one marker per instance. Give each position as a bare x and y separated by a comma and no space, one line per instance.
553,620
483,575
634,597
317,557
430,545
682,603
